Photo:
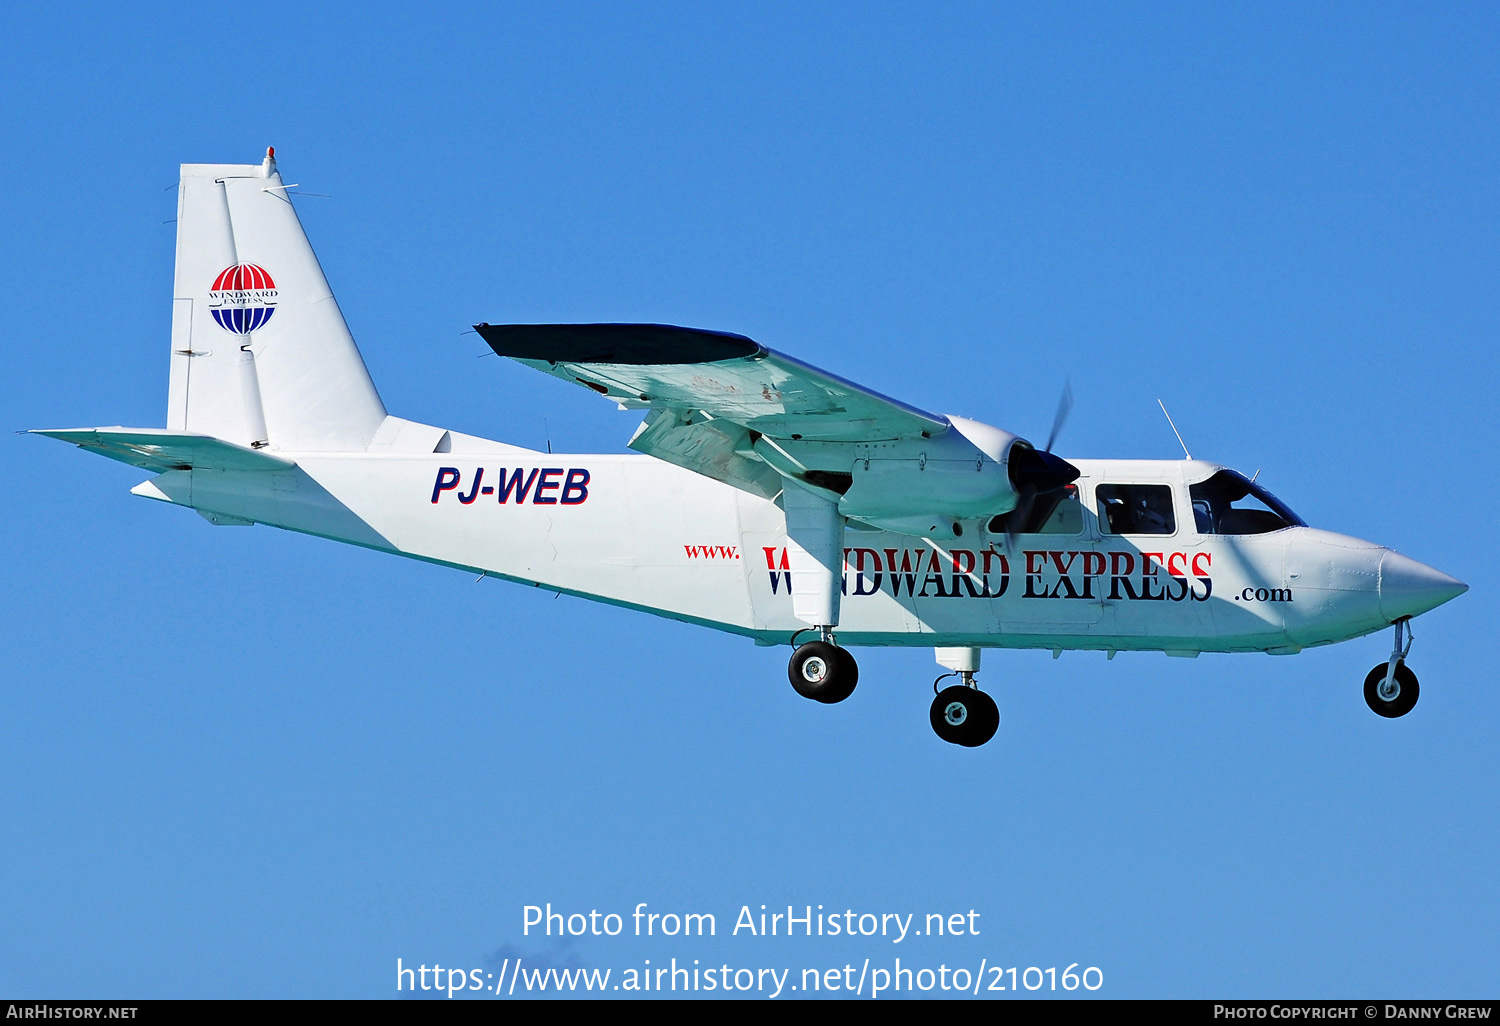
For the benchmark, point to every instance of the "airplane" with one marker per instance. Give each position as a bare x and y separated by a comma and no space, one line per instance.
764,497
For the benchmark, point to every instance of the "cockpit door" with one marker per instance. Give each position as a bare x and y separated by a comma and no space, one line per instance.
1157,568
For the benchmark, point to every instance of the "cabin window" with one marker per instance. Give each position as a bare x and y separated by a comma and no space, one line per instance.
1228,503
1057,511
1136,508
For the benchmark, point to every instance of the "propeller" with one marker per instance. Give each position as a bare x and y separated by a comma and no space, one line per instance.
1032,472
1018,516
1064,407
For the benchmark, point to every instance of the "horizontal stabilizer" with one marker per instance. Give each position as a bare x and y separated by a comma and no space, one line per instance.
158,449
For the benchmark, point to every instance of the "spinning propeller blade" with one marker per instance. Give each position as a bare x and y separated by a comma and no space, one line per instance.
1033,472
1064,407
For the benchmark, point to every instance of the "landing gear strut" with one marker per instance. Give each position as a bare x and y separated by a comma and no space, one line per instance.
822,671
1391,688
961,714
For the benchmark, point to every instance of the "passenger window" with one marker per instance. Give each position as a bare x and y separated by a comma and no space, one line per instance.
1065,515
1136,509
1052,512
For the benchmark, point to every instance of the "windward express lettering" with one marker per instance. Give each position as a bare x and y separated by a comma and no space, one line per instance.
541,486
919,572
1049,574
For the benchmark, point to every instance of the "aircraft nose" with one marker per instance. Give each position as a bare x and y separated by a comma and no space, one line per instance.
1408,587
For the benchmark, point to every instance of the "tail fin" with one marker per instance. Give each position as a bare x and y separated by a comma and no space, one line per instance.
261,355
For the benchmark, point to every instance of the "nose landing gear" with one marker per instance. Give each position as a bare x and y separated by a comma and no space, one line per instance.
1391,688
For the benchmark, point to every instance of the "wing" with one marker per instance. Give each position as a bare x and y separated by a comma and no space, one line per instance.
712,395
729,377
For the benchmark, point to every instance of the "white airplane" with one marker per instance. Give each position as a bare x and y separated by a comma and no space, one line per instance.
773,500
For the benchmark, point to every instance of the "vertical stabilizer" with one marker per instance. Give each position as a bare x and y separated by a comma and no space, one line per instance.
261,355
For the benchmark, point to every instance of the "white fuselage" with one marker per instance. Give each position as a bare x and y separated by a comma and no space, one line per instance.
637,532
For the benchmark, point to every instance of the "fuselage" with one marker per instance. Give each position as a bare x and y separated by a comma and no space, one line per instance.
634,531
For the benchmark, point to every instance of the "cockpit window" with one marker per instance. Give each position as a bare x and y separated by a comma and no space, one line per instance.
1136,508
1056,511
1228,503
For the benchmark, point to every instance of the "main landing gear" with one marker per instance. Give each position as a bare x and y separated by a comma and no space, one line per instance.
822,671
1391,688
961,714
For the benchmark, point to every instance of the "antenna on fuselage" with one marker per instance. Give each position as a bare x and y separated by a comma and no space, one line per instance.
1174,429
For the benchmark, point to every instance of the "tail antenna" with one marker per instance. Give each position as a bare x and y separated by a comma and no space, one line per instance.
1174,429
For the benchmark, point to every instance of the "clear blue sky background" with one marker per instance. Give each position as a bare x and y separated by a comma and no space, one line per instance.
240,762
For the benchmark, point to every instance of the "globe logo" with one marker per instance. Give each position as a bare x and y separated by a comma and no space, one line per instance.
243,298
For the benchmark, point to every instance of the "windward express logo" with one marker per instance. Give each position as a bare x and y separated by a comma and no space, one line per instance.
243,298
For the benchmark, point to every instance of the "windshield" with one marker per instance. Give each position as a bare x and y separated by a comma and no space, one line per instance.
1228,503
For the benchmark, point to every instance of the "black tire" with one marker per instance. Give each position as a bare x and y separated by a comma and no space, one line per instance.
848,675
965,716
823,672
1406,693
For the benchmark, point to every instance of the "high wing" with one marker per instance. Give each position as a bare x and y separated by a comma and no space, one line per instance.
728,407
727,376
712,394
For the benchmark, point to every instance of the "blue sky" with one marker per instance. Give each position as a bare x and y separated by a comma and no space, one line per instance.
249,763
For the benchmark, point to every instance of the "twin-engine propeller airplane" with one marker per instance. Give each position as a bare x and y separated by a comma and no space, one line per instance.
782,501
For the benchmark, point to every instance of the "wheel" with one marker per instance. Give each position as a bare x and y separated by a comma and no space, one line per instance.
1395,705
823,672
966,716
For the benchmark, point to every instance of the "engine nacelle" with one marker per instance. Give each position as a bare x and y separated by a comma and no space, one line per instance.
961,473
970,471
